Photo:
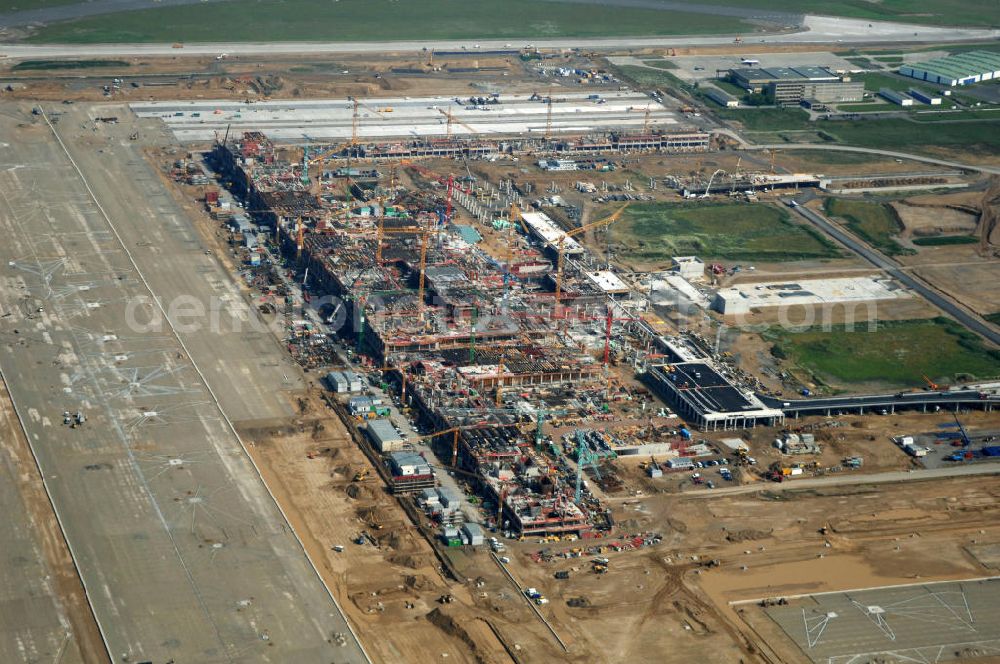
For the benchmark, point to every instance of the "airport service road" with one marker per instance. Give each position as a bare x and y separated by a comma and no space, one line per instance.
851,479
943,302
817,30
183,553
977,168
407,117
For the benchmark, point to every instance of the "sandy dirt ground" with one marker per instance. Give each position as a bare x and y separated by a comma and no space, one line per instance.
928,220
145,79
840,540
391,585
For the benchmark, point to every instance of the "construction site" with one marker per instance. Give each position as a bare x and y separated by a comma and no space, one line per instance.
451,358
509,373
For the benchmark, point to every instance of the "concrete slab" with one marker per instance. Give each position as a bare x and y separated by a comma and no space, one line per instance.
935,622
408,117
182,551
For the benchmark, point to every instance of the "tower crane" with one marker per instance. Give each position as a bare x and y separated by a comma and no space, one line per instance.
542,413
583,456
456,433
325,156
424,233
451,120
610,219
647,112
357,105
609,319
548,118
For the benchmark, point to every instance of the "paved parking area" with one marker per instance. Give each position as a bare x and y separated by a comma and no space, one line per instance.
936,622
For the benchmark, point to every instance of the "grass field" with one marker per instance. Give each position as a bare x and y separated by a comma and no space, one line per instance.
993,318
769,119
728,231
981,137
865,107
830,157
876,223
944,240
659,63
897,353
875,82
951,48
983,114
922,134
24,5
925,12
373,20
646,77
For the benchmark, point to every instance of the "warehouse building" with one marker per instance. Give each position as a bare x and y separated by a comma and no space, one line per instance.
958,69
898,98
383,436
721,98
740,299
343,382
924,97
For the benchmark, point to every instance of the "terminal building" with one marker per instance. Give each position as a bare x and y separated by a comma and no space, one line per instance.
792,85
958,69
704,397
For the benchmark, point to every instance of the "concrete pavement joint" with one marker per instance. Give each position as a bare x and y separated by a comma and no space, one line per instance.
208,387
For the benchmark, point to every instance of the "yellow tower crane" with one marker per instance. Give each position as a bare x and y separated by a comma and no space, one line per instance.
610,219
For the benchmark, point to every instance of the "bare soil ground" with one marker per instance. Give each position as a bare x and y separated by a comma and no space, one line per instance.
767,545
873,537
922,221
971,281
388,590
391,590
284,78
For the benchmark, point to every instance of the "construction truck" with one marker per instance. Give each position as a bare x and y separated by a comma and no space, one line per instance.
361,475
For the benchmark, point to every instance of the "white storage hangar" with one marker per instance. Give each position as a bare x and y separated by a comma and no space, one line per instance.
383,436
958,69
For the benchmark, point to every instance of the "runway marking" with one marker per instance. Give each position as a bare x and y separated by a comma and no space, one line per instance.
140,381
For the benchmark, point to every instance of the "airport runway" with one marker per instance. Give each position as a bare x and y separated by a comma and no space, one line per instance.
184,554
817,30
381,118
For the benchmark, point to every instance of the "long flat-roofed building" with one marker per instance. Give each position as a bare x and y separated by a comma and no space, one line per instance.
757,78
545,229
705,397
